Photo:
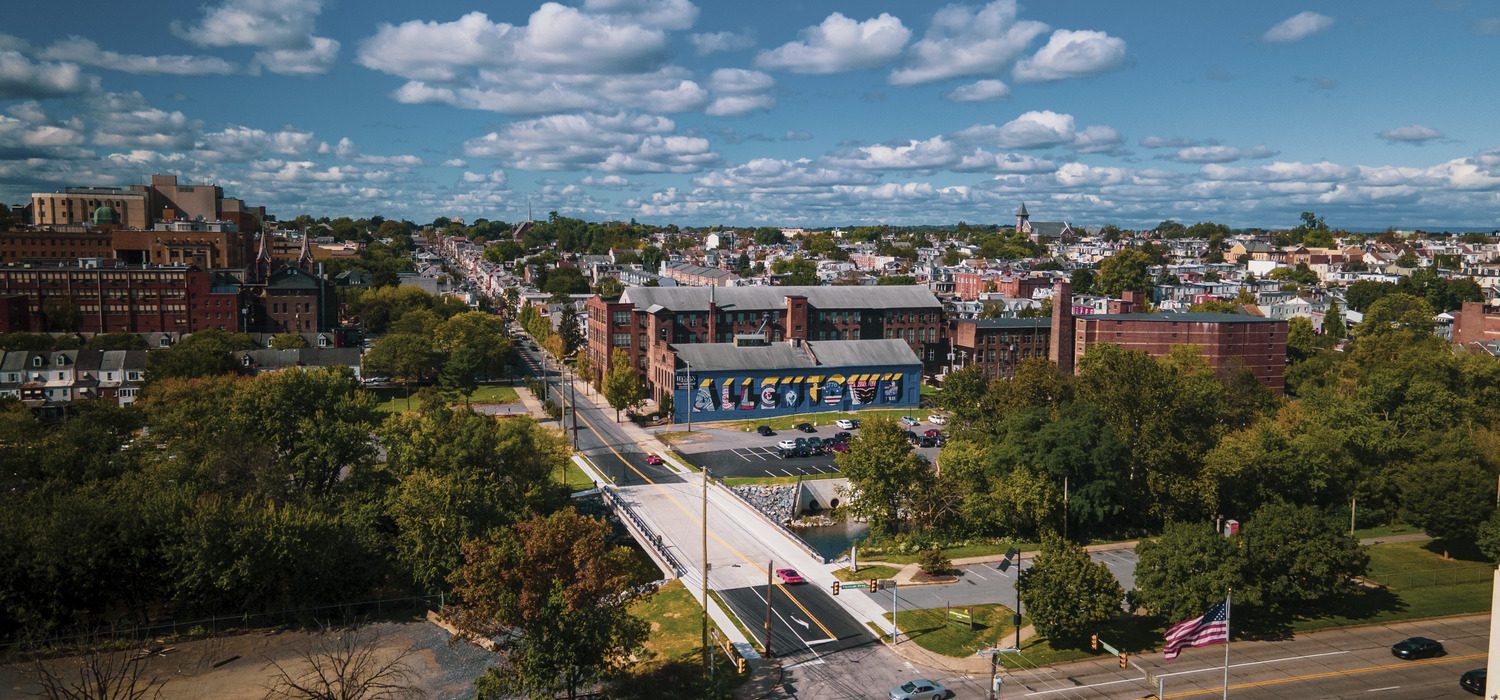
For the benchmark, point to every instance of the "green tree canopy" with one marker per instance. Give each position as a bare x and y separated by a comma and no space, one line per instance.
1124,271
885,475
1066,594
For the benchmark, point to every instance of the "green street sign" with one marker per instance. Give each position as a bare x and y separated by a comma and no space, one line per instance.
1105,646
853,585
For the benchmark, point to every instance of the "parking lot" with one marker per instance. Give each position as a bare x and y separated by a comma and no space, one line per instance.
732,453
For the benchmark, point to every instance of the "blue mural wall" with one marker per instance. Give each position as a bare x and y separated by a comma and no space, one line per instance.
724,395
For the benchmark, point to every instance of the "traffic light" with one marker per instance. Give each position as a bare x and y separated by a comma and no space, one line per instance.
874,585
835,587
1124,657
1094,642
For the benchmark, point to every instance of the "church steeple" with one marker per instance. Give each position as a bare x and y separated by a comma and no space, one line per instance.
1023,220
263,257
305,258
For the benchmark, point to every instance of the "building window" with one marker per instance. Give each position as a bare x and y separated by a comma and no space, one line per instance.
622,340
622,318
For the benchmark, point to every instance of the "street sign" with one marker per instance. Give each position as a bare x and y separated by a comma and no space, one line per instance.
1105,646
1004,565
861,586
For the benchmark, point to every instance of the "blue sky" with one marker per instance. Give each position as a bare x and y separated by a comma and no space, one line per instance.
1372,114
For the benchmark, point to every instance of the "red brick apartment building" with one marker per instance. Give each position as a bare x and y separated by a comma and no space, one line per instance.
116,299
969,285
1229,342
645,321
1472,325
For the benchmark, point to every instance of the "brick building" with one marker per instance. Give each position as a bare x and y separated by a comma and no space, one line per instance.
207,245
997,346
116,298
1229,342
139,206
1472,325
645,321
970,285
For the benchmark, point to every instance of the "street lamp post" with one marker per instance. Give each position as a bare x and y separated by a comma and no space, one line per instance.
689,394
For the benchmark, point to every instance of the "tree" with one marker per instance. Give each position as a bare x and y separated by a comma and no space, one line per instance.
288,341
894,280
1124,271
1362,293
622,386
317,424
1395,313
1301,341
1334,328
565,280
116,341
610,288
101,675
1082,281
1488,537
475,346
885,475
554,595
405,357
962,391
1067,594
347,665
1447,499
796,271
201,354
571,334
1300,557
1187,569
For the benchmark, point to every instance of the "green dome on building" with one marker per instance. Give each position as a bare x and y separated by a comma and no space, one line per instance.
105,215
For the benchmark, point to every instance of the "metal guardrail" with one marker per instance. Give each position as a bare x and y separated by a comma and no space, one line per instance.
807,548
644,532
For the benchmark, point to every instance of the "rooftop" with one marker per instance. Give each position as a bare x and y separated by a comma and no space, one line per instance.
1190,317
827,353
762,297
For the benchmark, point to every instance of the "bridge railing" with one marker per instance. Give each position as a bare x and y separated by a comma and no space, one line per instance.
643,532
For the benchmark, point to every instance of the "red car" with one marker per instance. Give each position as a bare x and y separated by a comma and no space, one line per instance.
789,576
653,460
840,447
932,433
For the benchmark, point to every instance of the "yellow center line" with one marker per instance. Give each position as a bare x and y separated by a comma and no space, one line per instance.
699,521
1330,674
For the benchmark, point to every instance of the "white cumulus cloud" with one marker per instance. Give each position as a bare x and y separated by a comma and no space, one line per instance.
718,42
967,41
282,28
22,78
980,91
86,52
1413,134
840,44
1297,27
1072,54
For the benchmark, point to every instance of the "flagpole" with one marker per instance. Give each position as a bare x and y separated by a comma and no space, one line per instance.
1226,643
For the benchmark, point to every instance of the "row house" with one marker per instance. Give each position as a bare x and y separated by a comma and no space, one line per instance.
50,381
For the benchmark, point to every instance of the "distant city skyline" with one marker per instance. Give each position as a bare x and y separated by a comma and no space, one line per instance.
807,114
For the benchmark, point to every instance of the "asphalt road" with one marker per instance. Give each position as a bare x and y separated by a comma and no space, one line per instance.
1348,663
985,583
802,620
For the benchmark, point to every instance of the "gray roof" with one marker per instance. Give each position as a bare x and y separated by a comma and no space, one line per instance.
766,298
1039,322
1190,317
777,356
306,357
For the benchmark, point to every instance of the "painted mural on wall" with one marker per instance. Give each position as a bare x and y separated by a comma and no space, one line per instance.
789,394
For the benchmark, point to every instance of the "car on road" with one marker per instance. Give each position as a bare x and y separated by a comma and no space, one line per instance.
789,576
1416,648
806,427
846,423
788,444
937,419
910,422
932,433
919,689
653,460
765,430
1473,681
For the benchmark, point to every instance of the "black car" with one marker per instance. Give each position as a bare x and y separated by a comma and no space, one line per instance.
912,437
800,451
806,428
927,442
765,430
841,437
1473,681
815,443
1416,648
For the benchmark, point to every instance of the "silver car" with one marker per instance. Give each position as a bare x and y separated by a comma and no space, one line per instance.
919,689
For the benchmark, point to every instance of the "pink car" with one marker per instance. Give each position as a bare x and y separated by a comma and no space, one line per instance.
789,576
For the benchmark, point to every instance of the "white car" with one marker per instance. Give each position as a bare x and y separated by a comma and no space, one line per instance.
936,419
846,424
787,444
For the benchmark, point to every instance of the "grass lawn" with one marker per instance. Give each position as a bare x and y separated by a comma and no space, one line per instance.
764,480
671,437
674,645
494,394
1129,633
973,548
1386,531
1418,582
929,630
782,423
576,480
865,573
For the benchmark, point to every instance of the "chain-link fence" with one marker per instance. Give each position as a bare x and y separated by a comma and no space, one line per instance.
1423,578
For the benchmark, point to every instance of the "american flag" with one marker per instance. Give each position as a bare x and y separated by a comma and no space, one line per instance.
1210,628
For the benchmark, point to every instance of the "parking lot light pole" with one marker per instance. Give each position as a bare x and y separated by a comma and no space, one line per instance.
689,394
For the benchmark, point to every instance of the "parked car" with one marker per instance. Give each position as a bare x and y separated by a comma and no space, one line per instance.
842,437
1473,681
765,430
840,447
919,689
794,452
806,428
932,433
941,441
927,442
846,423
789,576
815,443
912,437
653,459
788,444
937,419
1416,648
910,422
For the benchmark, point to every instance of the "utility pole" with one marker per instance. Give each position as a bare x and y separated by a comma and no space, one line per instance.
770,566
573,406
704,520
689,394
1018,599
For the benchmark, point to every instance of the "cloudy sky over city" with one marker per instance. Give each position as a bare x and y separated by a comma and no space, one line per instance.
1372,114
